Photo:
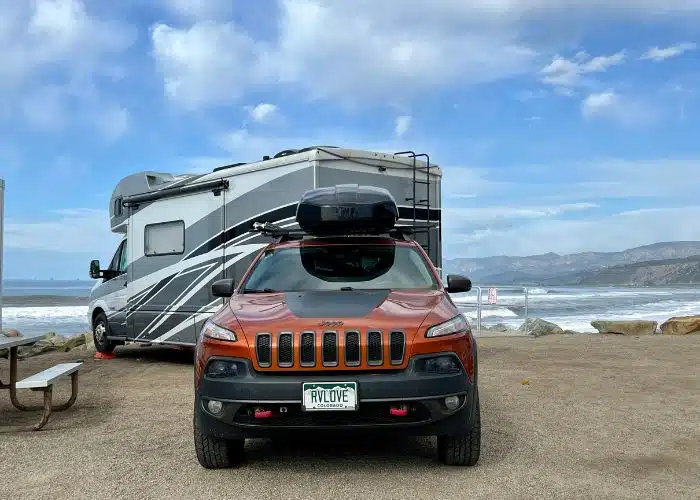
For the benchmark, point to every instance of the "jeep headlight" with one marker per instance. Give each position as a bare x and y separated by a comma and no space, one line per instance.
455,325
214,331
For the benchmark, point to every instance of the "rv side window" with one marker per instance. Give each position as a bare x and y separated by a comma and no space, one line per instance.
118,207
164,238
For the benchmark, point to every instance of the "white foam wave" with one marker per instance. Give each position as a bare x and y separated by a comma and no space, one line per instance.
498,312
59,319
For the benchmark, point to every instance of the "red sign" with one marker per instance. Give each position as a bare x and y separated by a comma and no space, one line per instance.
493,295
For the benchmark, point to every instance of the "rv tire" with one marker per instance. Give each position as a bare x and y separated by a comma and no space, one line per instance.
100,331
217,453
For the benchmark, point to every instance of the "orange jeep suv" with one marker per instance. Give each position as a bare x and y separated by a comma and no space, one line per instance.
342,326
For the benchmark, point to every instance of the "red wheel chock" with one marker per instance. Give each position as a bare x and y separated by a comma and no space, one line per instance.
101,355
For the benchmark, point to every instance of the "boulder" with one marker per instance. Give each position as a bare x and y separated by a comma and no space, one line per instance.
89,341
52,342
631,327
67,343
499,327
11,333
538,327
39,347
571,332
681,325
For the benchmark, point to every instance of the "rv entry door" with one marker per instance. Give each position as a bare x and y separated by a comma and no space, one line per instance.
116,298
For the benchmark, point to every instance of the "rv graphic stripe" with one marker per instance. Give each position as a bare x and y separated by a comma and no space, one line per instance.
242,228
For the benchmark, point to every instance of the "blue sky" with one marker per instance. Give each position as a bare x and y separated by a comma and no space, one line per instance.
561,125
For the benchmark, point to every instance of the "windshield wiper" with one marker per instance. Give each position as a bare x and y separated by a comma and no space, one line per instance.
346,289
264,290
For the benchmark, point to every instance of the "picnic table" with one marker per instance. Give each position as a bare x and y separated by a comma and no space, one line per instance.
42,381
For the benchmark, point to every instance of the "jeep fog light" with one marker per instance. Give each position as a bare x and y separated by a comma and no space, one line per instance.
215,406
452,402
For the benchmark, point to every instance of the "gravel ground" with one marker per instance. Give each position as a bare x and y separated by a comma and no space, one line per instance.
601,417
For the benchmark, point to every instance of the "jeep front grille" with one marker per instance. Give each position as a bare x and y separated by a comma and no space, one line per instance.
263,347
397,344
285,349
308,349
330,348
352,348
374,348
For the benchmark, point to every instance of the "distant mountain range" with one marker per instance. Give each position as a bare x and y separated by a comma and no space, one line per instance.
667,263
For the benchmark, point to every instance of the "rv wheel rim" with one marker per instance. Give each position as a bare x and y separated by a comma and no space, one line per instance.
100,332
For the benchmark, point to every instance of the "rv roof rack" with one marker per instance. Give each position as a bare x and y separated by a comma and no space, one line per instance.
285,234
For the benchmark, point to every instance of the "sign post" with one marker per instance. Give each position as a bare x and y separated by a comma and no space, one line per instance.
493,295
2,229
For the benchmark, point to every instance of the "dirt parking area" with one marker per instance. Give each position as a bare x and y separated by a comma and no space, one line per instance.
601,417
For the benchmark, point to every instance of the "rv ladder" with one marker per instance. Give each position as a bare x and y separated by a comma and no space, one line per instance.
422,202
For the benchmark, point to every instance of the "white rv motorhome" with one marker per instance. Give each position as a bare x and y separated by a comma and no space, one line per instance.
183,232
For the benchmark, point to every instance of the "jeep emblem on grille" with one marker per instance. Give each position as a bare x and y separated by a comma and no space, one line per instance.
330,323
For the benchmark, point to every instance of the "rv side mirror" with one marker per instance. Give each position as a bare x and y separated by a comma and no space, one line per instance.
222,288
95,269
458,284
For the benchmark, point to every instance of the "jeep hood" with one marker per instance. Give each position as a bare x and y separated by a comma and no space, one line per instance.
298,311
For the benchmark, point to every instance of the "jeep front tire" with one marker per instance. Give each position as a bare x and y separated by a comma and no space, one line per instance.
217,453
462,449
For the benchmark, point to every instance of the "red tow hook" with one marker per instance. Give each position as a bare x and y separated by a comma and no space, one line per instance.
399,411
261,413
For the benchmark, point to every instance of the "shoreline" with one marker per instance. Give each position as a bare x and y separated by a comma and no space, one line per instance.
43,300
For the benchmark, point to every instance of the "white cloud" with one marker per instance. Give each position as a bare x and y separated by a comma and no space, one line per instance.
596,104
494,213
657,54
402,124
362,51
209,63
81,230
336,50
533,213
622,109
53,53
563,72
262,112
610,233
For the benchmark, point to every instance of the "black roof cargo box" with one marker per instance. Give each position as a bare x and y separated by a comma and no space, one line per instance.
347,209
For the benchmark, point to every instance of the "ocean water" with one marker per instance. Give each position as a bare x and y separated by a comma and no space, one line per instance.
61,306
575,308
40,306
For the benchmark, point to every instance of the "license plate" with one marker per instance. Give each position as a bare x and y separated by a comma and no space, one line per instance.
329,396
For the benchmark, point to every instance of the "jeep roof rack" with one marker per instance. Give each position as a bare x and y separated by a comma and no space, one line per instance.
403,233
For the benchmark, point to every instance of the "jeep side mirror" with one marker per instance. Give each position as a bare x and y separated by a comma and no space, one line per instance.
458,284
95,269
222,288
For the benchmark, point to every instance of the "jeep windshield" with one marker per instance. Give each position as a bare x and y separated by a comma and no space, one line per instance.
340,267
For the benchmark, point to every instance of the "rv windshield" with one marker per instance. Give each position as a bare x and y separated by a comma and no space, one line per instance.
336,267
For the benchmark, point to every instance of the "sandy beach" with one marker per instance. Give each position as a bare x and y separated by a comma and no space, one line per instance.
602,416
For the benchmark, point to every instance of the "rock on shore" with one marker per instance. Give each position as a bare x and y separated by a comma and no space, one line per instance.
538,327
632,327
681,325
51,342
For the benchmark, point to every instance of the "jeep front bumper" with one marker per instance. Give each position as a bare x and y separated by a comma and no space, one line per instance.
253,404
